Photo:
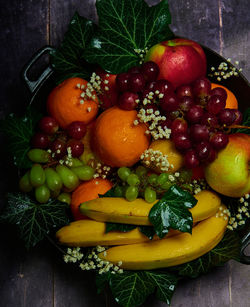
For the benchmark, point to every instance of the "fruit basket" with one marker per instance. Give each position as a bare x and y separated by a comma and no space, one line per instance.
150,274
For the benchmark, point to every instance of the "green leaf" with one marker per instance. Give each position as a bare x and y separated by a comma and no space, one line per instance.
34,221
165,284
101,280
172,212
147,231
131,288
109,193
124,27
18,131
245,122
119,227
228,248
68,59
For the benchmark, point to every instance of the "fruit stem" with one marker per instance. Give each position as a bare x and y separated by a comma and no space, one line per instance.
239,126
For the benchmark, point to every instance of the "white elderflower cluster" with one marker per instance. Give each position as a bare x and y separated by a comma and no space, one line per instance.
101,171
198,185
155,158
88,92
223,213
224,71
141,53
92,261
243,213
153,119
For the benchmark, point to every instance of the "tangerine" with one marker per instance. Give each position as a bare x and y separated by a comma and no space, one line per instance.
231,101
116,140
72,100
87,190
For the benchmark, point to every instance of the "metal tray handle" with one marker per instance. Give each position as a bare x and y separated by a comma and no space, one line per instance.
34,85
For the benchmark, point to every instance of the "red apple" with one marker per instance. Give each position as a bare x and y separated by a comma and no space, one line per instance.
229,173
181,61
108,94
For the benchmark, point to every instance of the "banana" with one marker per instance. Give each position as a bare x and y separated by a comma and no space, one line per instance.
84,233
170,251
119,210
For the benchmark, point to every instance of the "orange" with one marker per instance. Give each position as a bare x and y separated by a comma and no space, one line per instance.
231,102
116,140
66,105
87,190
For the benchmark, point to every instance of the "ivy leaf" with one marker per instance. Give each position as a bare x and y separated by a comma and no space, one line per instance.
124,28
245,122
147,231
131,288
18,131
68,59
119,227
228,248
34,221
165,284
109,193
172,212
101,280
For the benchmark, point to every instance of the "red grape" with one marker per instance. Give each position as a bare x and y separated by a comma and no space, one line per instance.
203,150
184,91
169,103
150,71
216,104
58,148
194,115
48,125
150,86
186,103
152,106
219,140
76,146
191,159
212,155
40,140
122,81
127,100
136,82
179,125
219,91
163,86
209,120
238,117
227,117
201,87
181,141
166,123
199,133
76,130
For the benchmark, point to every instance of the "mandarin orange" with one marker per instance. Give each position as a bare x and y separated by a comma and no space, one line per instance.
69,102
87,190
116,140
231,101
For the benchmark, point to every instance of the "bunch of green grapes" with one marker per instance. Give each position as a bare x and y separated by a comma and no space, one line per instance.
48,181
142,183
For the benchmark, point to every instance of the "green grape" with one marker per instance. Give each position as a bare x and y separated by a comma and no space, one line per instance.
53,180
54,194
152,179
37,175
83,172
162,178
141,171
24,183
166,185
133,179
118,191
185,175
131,193
65,198
74,162
42,194
69,178
38,155
123,173
149,195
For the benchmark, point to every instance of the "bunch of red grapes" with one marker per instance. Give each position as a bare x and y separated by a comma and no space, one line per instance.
195,113
59,142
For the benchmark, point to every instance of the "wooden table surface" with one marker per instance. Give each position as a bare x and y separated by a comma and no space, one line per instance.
40,278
